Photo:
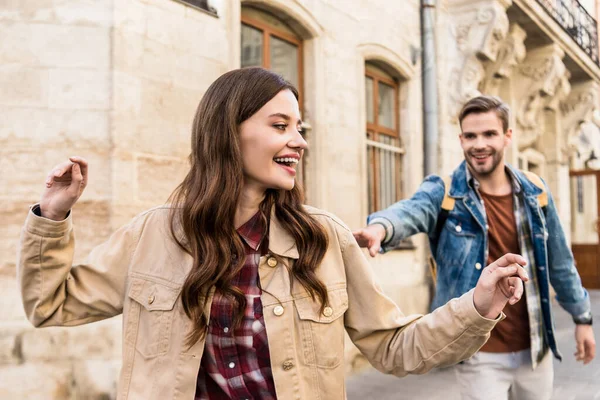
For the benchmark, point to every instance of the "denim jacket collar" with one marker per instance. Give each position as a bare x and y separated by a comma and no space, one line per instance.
463,181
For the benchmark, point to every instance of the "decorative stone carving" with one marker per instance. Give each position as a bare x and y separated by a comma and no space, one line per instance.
578,109
543,82
479,31
512,52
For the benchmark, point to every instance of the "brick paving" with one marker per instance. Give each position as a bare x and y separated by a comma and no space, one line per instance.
572,380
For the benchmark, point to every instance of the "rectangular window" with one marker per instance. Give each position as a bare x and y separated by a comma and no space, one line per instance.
384,145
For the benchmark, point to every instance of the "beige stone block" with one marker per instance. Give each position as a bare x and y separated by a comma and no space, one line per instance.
27,127
96,379
84,12
165,119
158,61
130,16
79,89
38,381
10,341
164,27
168,7
127,50
27,10
48,45
11,308
123,175
91,222
127,93
23,86
196,72
157,177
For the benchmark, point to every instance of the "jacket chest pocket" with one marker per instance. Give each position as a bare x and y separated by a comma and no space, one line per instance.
456,241
151,315
322,333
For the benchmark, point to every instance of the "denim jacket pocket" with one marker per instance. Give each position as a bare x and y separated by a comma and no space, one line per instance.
152,312
457,242
322,333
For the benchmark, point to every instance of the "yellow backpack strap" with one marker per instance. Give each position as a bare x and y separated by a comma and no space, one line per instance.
448,202
447,206
537,181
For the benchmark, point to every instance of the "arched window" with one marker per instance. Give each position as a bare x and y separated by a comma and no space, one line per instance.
270,43
384,145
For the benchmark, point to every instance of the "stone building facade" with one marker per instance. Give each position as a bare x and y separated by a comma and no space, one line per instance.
118,83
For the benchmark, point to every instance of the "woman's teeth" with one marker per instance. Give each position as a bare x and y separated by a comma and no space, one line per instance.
286,160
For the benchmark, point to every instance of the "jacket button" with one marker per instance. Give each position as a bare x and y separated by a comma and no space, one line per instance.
278,311
328,312
287,365
272,262
151,299
458,228
478,266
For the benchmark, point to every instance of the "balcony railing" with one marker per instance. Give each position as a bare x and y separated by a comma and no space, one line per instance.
576,21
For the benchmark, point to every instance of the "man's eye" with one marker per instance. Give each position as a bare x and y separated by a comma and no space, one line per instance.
281,127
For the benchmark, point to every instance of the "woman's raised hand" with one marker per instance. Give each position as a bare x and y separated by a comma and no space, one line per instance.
64,185
500,282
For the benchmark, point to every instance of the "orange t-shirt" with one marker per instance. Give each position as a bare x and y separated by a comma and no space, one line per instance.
511,334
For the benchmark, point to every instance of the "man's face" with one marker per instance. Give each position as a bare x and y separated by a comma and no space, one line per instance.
483,142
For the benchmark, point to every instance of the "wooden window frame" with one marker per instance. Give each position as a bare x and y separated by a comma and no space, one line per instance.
374,126
374,130
268,31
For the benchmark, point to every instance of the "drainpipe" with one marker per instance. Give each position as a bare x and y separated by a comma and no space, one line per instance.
430,92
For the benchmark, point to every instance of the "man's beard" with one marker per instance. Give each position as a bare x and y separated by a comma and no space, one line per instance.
484,170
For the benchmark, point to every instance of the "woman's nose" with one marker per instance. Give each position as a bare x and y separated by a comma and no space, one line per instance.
298,142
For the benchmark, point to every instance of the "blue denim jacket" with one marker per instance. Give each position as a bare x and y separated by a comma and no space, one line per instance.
457,252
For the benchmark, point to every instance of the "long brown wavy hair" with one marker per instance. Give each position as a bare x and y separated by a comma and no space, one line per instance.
204,204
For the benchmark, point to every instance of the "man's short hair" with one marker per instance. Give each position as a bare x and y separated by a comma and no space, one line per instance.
483,104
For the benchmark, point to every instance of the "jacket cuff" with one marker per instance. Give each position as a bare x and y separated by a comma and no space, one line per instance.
38,225
471,317
578,308
387,225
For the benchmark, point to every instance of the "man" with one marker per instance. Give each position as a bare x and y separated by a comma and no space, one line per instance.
496,211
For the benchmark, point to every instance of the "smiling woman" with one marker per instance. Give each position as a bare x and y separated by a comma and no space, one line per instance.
236,289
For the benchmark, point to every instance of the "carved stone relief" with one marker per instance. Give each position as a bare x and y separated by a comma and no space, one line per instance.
578,109
511,53
542,83
479,33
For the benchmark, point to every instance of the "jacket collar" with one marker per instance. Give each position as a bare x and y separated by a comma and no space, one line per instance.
463,181
280,241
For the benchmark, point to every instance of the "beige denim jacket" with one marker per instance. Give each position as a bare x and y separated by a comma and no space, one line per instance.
140,270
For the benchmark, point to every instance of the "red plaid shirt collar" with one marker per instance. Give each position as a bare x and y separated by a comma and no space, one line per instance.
253,231
236,363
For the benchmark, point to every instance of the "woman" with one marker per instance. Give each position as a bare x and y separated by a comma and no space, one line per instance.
236,290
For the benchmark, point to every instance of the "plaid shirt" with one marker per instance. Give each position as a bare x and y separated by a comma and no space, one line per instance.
236,362
532,290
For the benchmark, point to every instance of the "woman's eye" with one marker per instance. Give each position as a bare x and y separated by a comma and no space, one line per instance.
302,131
281,127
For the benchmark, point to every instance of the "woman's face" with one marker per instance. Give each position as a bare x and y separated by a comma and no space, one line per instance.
272,145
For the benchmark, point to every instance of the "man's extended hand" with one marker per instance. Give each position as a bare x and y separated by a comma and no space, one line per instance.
370,237
586,344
